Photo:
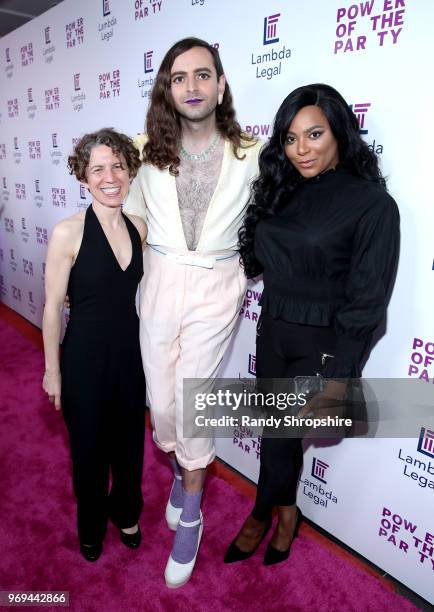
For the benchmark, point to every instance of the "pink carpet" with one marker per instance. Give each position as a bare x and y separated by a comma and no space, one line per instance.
39,546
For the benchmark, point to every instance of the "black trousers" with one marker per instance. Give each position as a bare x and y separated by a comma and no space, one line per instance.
103,400
285,350
102,440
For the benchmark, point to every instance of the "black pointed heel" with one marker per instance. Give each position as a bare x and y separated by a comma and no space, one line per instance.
234,553
273,555
132,540
91,552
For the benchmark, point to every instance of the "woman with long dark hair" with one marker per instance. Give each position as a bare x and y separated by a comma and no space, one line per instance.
324,232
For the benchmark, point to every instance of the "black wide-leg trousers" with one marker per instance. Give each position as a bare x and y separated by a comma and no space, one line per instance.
103,403
104,438
285,350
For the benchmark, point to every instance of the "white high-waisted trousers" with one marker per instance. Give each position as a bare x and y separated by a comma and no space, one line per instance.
187,316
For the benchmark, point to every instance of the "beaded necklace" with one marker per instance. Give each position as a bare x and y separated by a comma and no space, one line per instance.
200,156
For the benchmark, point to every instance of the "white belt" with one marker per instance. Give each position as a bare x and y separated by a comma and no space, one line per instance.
193,259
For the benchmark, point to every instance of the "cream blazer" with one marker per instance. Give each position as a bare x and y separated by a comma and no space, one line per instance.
153,197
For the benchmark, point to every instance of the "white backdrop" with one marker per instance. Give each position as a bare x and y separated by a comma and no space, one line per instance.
88,64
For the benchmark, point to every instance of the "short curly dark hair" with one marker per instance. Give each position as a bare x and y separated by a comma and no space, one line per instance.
118,143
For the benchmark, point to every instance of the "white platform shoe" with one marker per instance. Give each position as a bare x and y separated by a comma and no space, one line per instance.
173,514
177,574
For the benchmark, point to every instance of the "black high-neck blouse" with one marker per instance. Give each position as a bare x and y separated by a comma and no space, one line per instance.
329,257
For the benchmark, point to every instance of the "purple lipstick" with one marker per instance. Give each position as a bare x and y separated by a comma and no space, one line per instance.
194,101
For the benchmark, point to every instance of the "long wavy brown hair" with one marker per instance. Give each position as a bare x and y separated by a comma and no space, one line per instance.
162,123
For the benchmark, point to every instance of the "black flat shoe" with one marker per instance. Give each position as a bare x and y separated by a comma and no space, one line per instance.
91,552
234,553
273,555
132,540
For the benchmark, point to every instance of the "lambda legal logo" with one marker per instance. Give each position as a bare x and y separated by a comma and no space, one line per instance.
37,186
77,81
252,364
54,140
319,469
47,35
105,8
426,442
147,59
360,111
16,147
8,55
270,29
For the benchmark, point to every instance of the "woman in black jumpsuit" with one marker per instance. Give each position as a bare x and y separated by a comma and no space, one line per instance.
102,381
325,233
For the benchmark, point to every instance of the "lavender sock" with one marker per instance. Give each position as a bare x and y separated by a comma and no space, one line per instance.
176,495
175,467
186,538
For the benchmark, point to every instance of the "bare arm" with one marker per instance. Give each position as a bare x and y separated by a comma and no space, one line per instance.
57,269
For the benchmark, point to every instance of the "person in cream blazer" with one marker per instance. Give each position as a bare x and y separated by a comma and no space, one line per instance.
192,189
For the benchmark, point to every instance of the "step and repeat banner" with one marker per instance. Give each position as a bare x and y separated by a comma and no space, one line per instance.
87,64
